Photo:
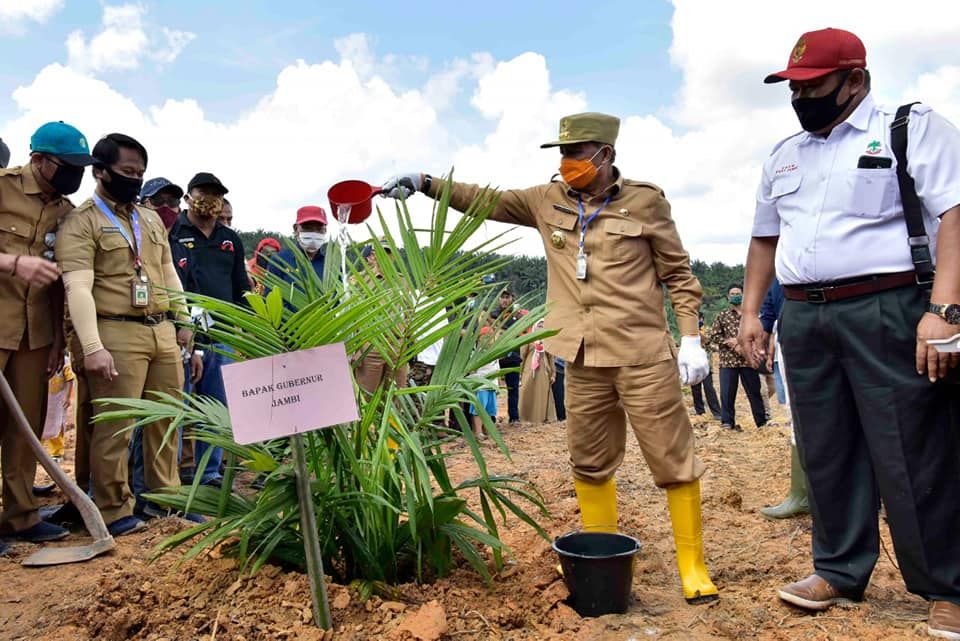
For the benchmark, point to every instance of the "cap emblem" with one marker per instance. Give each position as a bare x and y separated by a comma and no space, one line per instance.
564,130
799,50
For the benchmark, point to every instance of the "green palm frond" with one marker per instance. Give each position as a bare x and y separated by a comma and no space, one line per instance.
387,509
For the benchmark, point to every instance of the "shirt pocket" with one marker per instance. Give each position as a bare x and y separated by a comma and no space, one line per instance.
559,231
784,190
871,192
153,243
113,254
623,240
15,235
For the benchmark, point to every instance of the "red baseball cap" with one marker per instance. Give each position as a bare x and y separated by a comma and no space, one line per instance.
309,213
818,53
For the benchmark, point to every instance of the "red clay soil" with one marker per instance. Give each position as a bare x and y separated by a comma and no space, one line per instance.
123,596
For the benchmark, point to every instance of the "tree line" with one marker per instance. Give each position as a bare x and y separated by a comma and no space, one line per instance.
527,276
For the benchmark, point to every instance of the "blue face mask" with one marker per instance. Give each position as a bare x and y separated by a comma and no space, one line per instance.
736,299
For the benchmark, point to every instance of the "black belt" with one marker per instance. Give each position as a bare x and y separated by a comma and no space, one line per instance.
149,319
851,288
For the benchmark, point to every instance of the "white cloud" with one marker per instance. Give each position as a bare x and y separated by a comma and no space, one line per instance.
175,41
351,118
123,42
15,13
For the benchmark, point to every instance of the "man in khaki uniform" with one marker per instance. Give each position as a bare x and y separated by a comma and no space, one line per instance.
32,203
610,243
116,265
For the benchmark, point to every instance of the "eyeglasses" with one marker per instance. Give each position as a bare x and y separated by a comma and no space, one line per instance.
165,201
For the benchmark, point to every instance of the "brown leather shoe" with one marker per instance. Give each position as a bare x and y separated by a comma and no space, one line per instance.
944,620
812,593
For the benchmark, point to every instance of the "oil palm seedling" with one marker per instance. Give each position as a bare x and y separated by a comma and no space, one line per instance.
388,509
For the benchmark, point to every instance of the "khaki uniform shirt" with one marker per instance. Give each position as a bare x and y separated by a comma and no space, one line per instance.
89,240
617,314
27,215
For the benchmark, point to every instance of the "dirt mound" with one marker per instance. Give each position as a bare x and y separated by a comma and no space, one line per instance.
124,596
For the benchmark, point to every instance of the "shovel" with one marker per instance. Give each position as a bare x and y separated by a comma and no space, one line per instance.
102,541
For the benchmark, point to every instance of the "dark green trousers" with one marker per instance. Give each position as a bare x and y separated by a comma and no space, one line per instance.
868,426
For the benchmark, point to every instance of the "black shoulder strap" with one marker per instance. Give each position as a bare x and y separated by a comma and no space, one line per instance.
912,209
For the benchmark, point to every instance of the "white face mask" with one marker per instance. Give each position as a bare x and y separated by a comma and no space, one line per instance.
312,240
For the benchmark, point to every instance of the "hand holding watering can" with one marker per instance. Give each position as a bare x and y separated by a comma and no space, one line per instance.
402,186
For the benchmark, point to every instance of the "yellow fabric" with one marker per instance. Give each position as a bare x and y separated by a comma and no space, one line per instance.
83,309
598,505
56,446
684,503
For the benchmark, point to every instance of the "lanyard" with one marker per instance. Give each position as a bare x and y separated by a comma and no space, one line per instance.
584,224
135,242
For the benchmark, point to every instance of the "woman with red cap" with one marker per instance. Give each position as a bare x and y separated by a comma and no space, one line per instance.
257,266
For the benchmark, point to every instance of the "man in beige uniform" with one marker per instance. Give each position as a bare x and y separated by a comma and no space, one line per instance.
610,243
116,265
32,203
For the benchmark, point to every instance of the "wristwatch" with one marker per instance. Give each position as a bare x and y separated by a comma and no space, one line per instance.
949,313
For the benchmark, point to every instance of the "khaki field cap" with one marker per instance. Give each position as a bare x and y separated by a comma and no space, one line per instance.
587,127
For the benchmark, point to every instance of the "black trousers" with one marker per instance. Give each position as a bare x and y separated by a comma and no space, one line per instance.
729,379
868,425
558,395
705,387
512,380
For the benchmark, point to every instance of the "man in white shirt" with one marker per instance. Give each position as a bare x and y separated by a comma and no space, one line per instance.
870,403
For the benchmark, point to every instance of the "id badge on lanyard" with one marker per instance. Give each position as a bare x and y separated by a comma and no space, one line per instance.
584,224
140,284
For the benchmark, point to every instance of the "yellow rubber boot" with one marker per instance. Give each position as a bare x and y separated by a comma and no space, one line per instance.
598,505
684,502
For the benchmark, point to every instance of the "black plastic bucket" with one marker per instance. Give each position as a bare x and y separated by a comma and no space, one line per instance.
598,570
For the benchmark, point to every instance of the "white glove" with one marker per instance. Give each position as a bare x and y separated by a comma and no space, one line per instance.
402,186
692,360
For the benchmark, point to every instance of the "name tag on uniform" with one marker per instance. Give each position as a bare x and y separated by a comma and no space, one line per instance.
184,241
107,230
140,292
581,266
564,209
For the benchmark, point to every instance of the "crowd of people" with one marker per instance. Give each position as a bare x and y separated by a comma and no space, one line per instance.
852,215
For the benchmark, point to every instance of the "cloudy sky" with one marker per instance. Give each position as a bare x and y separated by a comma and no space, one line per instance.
283,99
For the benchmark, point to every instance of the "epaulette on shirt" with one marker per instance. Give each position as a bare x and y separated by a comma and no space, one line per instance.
777,146
640,183
918,109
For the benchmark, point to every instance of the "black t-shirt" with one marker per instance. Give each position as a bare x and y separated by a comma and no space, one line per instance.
213,266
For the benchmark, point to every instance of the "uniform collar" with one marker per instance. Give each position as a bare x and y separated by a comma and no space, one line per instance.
612,191
860,118
115,206
28,177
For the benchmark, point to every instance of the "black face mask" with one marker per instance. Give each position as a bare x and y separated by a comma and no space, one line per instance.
817,113
122,189
66,179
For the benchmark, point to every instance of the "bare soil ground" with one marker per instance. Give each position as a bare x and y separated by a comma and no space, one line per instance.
124,596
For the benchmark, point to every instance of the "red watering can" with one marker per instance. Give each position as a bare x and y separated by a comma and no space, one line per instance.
355,195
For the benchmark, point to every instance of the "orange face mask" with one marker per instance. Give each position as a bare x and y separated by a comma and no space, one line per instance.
579,172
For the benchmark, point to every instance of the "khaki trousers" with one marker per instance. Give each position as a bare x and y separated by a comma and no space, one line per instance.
26,371
372,370
148,360
600,399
